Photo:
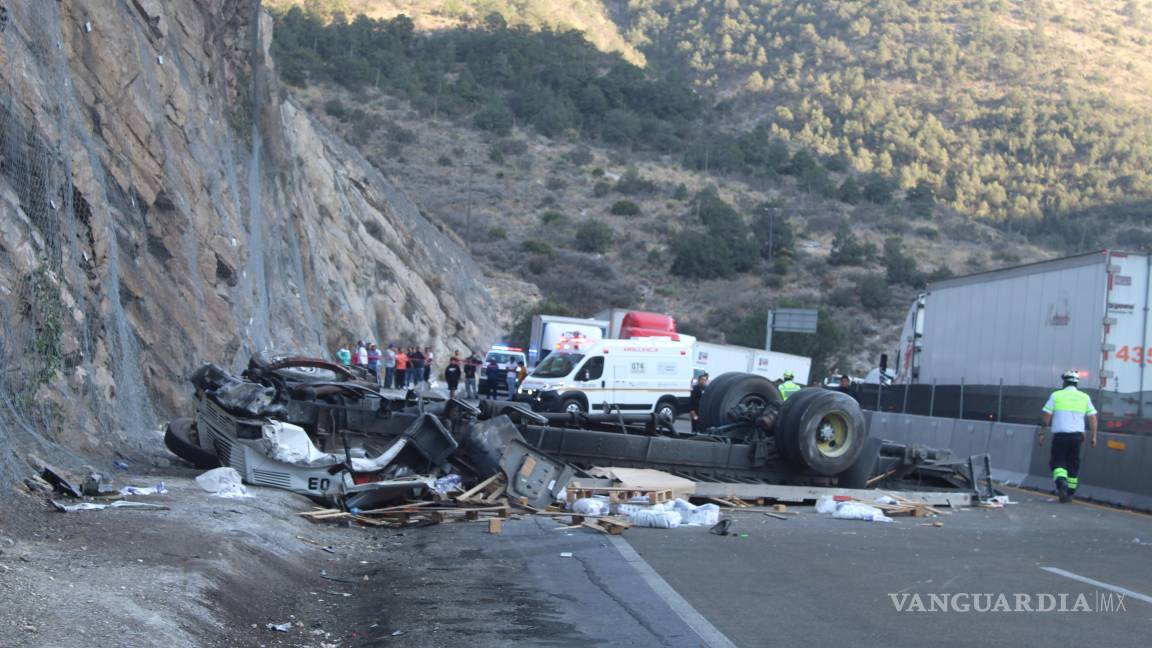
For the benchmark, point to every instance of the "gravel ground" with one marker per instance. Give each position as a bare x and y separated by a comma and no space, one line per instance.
213,572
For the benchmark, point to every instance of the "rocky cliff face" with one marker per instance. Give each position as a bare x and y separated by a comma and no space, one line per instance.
163,204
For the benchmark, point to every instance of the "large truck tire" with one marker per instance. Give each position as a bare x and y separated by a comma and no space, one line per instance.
730,390
180,439
789,419
821,430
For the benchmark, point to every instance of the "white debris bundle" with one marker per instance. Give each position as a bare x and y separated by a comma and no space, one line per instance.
669,515
850,510
590,506
223,482
655,517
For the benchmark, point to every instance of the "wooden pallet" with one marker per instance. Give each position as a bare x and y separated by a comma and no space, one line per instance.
621,494
486,492
610,525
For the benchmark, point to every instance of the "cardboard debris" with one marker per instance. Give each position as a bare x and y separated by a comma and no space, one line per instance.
646,479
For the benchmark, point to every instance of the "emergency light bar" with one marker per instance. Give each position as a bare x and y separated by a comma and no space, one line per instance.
507,348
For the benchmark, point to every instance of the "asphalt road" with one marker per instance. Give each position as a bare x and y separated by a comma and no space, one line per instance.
817,581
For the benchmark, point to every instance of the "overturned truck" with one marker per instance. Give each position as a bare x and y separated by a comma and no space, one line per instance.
322,430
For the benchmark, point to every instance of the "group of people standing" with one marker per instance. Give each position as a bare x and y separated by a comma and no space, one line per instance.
407,367
400,367
395,367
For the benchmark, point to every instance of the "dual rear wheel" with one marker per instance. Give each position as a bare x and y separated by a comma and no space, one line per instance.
817,429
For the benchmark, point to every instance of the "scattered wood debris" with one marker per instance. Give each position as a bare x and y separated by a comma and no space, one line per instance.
905,506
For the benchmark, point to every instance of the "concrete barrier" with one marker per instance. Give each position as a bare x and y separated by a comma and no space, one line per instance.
1011,446
1117,471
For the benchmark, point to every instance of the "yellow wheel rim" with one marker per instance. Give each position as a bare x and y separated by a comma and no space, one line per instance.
832,434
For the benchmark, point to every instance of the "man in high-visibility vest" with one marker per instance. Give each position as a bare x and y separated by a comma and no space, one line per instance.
1065,412
787,388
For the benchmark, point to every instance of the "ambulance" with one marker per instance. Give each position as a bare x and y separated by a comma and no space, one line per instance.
636,376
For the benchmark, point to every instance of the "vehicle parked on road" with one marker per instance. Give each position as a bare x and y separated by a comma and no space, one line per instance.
555,333
642,375
996,342
504,356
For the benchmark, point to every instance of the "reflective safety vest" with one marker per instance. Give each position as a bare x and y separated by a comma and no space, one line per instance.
1068,407
787,388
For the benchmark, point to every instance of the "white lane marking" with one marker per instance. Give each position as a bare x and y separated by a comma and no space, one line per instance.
1084,579
683,609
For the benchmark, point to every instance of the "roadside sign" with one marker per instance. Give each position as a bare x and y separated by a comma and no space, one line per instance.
790,320
795,320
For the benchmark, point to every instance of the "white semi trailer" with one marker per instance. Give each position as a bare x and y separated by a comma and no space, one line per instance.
1025,325
719,359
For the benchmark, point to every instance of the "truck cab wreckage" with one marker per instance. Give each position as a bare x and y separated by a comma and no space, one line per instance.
328,432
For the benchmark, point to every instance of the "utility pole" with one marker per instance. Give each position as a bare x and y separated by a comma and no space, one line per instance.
768,335
468,211
771,233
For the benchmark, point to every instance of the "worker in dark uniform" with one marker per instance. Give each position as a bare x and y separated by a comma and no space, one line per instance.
846,386
1065,412
694,401
452,375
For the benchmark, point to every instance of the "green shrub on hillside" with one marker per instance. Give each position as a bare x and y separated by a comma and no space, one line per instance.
625,208
593,236
874,293
553,218
532,246
847,248
900,266
632,183
335,108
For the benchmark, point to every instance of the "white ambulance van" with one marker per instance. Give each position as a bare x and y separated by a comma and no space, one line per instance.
637,376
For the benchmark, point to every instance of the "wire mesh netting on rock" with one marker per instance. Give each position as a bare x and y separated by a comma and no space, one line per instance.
71,372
